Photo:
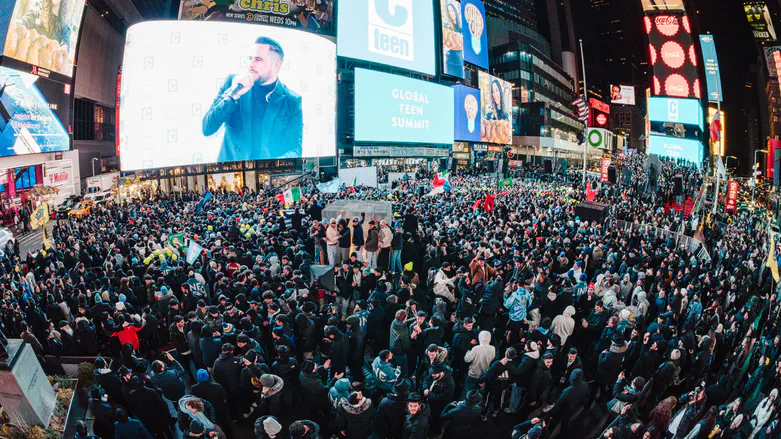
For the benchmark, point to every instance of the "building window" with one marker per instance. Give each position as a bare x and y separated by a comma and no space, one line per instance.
92,121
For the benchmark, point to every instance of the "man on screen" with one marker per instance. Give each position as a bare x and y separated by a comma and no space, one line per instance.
262,117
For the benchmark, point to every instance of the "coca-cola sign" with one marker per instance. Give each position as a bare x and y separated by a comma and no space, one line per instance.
673,54
676,85
667,25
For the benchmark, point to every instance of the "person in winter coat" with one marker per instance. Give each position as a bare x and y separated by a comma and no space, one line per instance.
459,419
686,416
763,412
168,377
227,372
354,416
128,428
211,344
304,430
498,379
249,384
571,400
150,407
268,427
464,338
109,381
194,409
479,359
215,395
313,391
439,391
103,412
385,374
531,429
434,355
286,367
340,349
610,365
541,380
340,391
400,342
416,424
306,337
356,338
390,414
270,395
564,325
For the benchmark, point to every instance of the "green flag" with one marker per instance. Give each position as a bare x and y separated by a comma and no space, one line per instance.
292,195
505,182
176,240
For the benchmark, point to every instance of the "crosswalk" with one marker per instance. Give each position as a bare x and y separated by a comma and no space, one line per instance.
32,241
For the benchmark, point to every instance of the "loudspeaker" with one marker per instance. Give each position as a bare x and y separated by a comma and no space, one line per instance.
678,183
591,212
548,166
490,165
611,174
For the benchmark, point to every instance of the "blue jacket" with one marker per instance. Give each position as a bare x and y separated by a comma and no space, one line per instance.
132,429
516,303
385,374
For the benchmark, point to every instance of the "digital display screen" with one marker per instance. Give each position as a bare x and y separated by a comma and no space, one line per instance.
34,114
202,92
397,33
687,149
475,33
622,95
758,16
673,56
683,111
44,33
391,108
467,113
452,38
496,109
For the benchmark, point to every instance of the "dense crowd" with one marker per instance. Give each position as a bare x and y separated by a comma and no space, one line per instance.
433,321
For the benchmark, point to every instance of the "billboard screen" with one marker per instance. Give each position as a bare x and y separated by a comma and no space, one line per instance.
452,38
673,147
392,108
770,60
34,114
712,74
622,95
195,92
398,33
467,113
720,146
663,5
673,56
683,111
475,33
496,109
44,33
309,15
759,19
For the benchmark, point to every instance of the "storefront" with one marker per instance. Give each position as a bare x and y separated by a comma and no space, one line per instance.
397,158
461,156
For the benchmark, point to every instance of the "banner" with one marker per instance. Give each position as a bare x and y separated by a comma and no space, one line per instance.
759,19
712,74
40,216
193,251
732,195
603,177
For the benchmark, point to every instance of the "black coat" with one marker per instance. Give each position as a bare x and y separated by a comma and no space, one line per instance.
112,384
104,418
609,367
307,337
314,392
215,394
541,380
339,352
459,419
227,371
390,415
357,346
574,396
416,427
355,420
151,408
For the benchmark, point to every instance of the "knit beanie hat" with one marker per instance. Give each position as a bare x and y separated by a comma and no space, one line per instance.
202,375
271,426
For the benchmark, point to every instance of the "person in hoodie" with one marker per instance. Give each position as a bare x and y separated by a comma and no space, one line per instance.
390,414
459,419
517,303
286,367
354,416
479,359
270,399
764,411
416,424
464,338
305,336
563,325
571,400
227,372
304,430
268,427
340,349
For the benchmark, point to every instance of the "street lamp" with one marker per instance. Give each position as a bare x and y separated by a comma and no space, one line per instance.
94,159
754,175
726,160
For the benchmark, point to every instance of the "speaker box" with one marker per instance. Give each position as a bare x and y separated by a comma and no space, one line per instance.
591,212
678,183
548,166
611,174
490,165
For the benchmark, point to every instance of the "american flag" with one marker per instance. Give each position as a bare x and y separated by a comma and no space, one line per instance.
582,109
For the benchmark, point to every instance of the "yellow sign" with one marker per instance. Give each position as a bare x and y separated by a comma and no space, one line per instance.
40,216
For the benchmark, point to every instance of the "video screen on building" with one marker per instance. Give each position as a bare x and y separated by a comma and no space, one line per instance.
496,109
34,114
310,15
673,56
203,92
622,95
686,149
452,38
683,111
758,16
397,33
44,33
475,33
392,108
662,5
467,113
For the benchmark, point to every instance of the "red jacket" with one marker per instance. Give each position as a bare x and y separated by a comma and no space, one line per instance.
129,334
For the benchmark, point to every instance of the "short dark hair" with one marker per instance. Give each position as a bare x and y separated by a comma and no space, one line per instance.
274,46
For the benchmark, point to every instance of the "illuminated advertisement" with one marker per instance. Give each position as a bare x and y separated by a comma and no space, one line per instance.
663,5
452,38
496,112
600,138
719,147
467,113
770,61
397,33
600,113
673,56
248,92
310,15
732,195
604,170
712,75
392,108
44,33
686,149
759,19
34,114
683,111
475,33
622,95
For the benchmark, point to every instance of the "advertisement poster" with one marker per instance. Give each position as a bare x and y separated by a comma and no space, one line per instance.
398,33
309,15
467,113
712,74
391,108
673,56
452,38
676,148
496,112
250,92
603,170
622,95
475,33
59,174
770,61
684,111
759,19
732,196
44,33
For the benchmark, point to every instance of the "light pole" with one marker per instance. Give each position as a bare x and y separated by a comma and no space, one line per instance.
726,160
754,176
94,159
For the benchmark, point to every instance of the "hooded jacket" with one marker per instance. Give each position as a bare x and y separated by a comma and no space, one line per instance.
458,420
480,356
339,392
564,325
399,338
313,391
389,416
227,372
574,396
355,420
270,400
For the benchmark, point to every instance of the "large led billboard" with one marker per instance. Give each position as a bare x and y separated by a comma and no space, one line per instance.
452,38
686,149
392,108
309,15
201,92
719,147
397,33
44,33
673,56
759,19
475,33
712,74
683,111
662,5
496,109
622,95
34,114
467,113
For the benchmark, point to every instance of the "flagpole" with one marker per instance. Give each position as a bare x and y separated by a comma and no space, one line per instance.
585,99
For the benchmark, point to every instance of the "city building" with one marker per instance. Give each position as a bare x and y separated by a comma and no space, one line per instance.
522,12
627,120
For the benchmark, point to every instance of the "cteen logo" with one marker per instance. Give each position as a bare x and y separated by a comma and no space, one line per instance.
390,28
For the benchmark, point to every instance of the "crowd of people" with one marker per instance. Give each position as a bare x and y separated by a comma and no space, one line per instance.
448,314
